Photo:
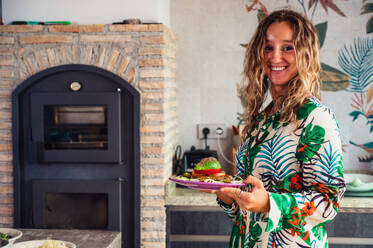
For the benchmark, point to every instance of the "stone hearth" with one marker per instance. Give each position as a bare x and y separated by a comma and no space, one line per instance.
143,55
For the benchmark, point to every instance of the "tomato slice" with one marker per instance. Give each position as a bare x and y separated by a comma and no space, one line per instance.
208,171
218,174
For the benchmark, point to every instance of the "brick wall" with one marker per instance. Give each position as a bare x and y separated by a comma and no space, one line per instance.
143,55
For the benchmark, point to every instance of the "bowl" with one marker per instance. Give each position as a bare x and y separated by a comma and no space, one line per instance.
40,243
13,233
4,243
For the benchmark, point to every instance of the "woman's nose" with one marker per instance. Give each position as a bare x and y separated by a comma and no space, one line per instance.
276,55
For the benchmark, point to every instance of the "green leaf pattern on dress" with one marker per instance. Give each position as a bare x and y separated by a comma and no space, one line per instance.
238,235
255,232
310,142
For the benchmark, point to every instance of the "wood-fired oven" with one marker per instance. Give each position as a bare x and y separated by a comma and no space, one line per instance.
76,152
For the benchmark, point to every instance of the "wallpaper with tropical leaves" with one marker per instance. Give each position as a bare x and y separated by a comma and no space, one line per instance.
346,26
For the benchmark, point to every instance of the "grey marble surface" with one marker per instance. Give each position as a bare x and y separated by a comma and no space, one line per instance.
81,238
189,197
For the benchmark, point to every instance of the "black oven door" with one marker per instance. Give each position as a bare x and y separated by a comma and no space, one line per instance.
77,204
75,127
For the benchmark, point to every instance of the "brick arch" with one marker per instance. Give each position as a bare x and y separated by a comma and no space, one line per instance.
111,59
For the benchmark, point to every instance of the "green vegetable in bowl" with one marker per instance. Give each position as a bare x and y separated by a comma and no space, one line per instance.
4,236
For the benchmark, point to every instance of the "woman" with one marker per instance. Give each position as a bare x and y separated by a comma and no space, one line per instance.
291,157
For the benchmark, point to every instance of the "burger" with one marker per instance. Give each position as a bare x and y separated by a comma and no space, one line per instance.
209,167
209,170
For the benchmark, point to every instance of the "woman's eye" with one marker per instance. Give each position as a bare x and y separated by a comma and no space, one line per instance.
288,48
268,48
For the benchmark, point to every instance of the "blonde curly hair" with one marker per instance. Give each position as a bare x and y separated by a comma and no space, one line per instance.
304,85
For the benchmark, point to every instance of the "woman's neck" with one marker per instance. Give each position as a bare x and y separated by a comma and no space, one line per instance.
278,98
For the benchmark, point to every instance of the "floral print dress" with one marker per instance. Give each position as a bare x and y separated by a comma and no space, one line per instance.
301,166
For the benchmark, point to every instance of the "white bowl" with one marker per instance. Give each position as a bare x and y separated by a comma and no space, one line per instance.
14,233
38,243
4,244
364,178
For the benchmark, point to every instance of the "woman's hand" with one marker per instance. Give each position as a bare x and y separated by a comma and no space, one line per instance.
255,201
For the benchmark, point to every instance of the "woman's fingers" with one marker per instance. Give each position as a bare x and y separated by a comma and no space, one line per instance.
241,197
256,200
235,193
255,182
259,195
231,192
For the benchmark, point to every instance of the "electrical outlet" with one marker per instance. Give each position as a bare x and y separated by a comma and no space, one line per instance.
214,130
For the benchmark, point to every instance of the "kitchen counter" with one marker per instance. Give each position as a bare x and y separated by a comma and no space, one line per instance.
82,238
189,212
188,197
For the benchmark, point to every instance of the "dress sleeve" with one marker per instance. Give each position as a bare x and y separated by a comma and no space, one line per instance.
232,210
314,193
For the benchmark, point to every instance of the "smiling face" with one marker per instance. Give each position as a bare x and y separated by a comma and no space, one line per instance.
279,55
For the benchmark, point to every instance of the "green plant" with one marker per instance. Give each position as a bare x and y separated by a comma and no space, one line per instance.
4,236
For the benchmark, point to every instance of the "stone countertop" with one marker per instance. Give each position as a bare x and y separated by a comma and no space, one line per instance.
81,238
189,197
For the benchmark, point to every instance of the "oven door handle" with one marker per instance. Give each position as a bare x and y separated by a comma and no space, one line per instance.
36,151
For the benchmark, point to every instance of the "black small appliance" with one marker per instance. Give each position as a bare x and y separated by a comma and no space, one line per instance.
192,157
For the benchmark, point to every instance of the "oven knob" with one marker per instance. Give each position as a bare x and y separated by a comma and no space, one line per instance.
75,86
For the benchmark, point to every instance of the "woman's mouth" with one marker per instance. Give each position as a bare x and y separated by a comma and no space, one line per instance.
278,68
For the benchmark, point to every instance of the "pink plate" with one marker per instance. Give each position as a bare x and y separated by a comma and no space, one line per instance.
204,185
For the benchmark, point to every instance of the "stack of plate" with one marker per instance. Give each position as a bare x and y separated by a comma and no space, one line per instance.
359,184
13,233
40,243
16,234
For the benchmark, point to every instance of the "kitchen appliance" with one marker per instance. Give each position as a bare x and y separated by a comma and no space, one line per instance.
189,159
193,156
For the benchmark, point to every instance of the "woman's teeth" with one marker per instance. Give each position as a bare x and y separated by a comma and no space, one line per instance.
278,68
